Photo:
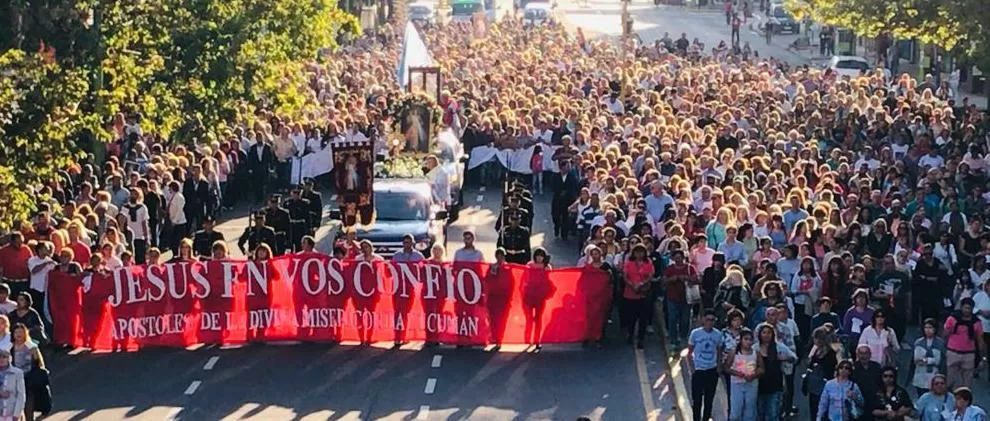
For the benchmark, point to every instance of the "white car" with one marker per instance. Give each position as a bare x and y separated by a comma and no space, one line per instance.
537,13
421,12
851,66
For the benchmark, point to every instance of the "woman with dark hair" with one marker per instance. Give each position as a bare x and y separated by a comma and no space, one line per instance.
536,288
833,276
892,402
638,272
822,361
735,321
25,314
773,294
805,288
744,368
771,386
881,339
928,356
840,397
964,409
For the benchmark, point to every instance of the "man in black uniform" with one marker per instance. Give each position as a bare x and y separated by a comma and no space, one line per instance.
203,239
278,218
515,240
315,205
514,207
256,234
564,185
298,217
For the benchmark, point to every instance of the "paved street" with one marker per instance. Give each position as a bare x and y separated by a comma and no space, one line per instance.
349,382
603,17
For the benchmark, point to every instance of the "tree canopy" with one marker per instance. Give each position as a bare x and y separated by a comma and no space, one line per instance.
958,25
175,61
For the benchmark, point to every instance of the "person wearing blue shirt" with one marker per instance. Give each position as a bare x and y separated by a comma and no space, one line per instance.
795,213
657,201
833,406
733,250
788,264
704,354
964,409
937,401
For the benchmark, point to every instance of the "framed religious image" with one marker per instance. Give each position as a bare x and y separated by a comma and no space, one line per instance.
354,175
425,80
415,125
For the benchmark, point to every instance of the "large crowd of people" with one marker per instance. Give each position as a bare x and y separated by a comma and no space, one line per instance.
787,218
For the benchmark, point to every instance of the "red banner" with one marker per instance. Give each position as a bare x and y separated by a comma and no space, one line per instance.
312,297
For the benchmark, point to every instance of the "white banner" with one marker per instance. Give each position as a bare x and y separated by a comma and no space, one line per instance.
515,160
313,164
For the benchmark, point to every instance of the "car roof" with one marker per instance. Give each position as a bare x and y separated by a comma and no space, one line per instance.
537,6
855,58
421,4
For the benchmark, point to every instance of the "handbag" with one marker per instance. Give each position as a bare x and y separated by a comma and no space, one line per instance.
812,381
693,293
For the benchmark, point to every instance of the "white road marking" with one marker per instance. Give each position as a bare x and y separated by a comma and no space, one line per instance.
333,197
424,412
481,189
172,414
211,363
431,386
481,198
436,361
192,387
644,387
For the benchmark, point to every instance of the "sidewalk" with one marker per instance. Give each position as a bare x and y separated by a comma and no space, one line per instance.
682,380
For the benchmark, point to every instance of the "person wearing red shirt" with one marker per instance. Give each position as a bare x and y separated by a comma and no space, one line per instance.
635,303
13,264
81,251
677,276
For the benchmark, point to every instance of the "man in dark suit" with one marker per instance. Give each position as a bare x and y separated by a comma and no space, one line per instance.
197,194
260,161
257,234
564,193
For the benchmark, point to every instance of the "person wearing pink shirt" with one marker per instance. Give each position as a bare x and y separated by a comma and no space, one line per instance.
701,254
766,251
964,339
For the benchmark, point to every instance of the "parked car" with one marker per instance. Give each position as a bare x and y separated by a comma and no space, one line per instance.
851,66
422,13
783,21
537,14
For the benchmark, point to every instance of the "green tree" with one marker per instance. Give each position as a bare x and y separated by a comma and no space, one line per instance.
40,124
952,25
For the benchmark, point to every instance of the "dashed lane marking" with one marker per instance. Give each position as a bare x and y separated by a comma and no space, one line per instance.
436,361
173,414
431,386
481,198
424,412
482,189
193,387
212,362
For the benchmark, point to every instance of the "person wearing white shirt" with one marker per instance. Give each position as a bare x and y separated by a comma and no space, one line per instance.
438,179
40,264
982,306
931,160
614,105
542,133
174,204
137,221
945,252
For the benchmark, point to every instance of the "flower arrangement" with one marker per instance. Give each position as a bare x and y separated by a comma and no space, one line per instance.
400,166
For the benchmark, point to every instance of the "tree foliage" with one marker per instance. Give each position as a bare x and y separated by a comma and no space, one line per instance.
175,61
959,25
40,123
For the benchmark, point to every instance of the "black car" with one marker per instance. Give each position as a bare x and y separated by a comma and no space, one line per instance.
783,21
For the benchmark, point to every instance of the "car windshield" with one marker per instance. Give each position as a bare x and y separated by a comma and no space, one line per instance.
851,64
419,10
780,13
401,206
535,13
465,8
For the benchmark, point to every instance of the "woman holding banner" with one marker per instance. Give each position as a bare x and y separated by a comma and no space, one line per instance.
536,288
596,260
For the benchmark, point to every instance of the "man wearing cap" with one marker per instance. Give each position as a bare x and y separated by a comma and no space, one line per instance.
514,207
257,234
278,219
515,240
315,205
203,239
299,218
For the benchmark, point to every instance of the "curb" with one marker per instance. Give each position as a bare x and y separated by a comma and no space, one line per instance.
680,374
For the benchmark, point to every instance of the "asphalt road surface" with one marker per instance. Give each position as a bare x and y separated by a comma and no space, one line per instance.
350,382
